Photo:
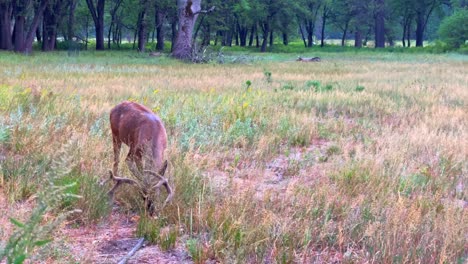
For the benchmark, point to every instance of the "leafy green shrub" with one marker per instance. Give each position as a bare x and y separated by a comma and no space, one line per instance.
454,29
241,132
325,88
267,75
313,83
359,88
287,86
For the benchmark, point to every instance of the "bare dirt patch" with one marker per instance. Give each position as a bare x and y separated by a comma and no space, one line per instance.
111,240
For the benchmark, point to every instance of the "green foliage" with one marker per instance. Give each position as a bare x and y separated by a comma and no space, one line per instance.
267,75
359,88
241,132
287,86
313,83
454,29
327,88
156,231
34,232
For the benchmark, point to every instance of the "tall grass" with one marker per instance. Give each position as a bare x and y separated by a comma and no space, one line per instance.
376,173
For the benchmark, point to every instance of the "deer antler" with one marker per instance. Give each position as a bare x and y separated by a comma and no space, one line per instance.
162,181
118,181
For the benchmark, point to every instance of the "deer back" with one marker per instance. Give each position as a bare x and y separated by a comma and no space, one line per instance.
140,129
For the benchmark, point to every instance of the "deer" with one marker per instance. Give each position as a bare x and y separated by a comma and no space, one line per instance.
144,133
314,59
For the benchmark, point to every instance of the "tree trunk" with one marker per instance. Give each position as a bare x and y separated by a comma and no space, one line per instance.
302,35
257,39
358,38
97,14
6,10
112,25
206,35
285,38
174,32
242,35
419,29
38,35
71,20
266,31
403,42
160,15
187,12
408,31
52,15
271,38
19,34
380,25
310,33
252,34
23,40
345,31
324,19
143,26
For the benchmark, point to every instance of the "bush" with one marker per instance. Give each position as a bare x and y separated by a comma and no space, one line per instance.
454,29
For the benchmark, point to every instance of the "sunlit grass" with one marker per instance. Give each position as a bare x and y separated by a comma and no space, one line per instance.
300,165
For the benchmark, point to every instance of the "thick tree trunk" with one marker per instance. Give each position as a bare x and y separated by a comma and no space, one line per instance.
310,33
52,14
143,26
285,38
98,17
71,20
19,33
242,35
380,24
266,31
34,24
160,15
358,38
419,30
187,12
6,10
252,35
174,24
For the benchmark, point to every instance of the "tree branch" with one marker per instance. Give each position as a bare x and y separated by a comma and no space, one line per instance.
205,11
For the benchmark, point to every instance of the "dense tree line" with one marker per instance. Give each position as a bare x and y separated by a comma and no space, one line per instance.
233,22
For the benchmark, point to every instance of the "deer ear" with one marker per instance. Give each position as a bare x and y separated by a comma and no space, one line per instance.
163,168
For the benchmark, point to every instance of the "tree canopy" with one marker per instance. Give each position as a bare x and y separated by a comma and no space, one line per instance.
259,23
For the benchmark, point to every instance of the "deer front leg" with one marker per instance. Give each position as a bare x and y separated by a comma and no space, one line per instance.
113,174
117,145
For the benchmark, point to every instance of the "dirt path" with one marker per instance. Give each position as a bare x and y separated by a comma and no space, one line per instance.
110,241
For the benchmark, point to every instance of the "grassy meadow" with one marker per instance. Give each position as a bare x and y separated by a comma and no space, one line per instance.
361,158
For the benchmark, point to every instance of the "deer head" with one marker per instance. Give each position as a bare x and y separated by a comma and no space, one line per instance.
144,133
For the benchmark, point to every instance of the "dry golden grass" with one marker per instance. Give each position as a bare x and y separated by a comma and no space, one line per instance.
304,167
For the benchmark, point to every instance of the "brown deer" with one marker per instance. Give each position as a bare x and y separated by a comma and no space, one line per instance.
314,59
144,133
